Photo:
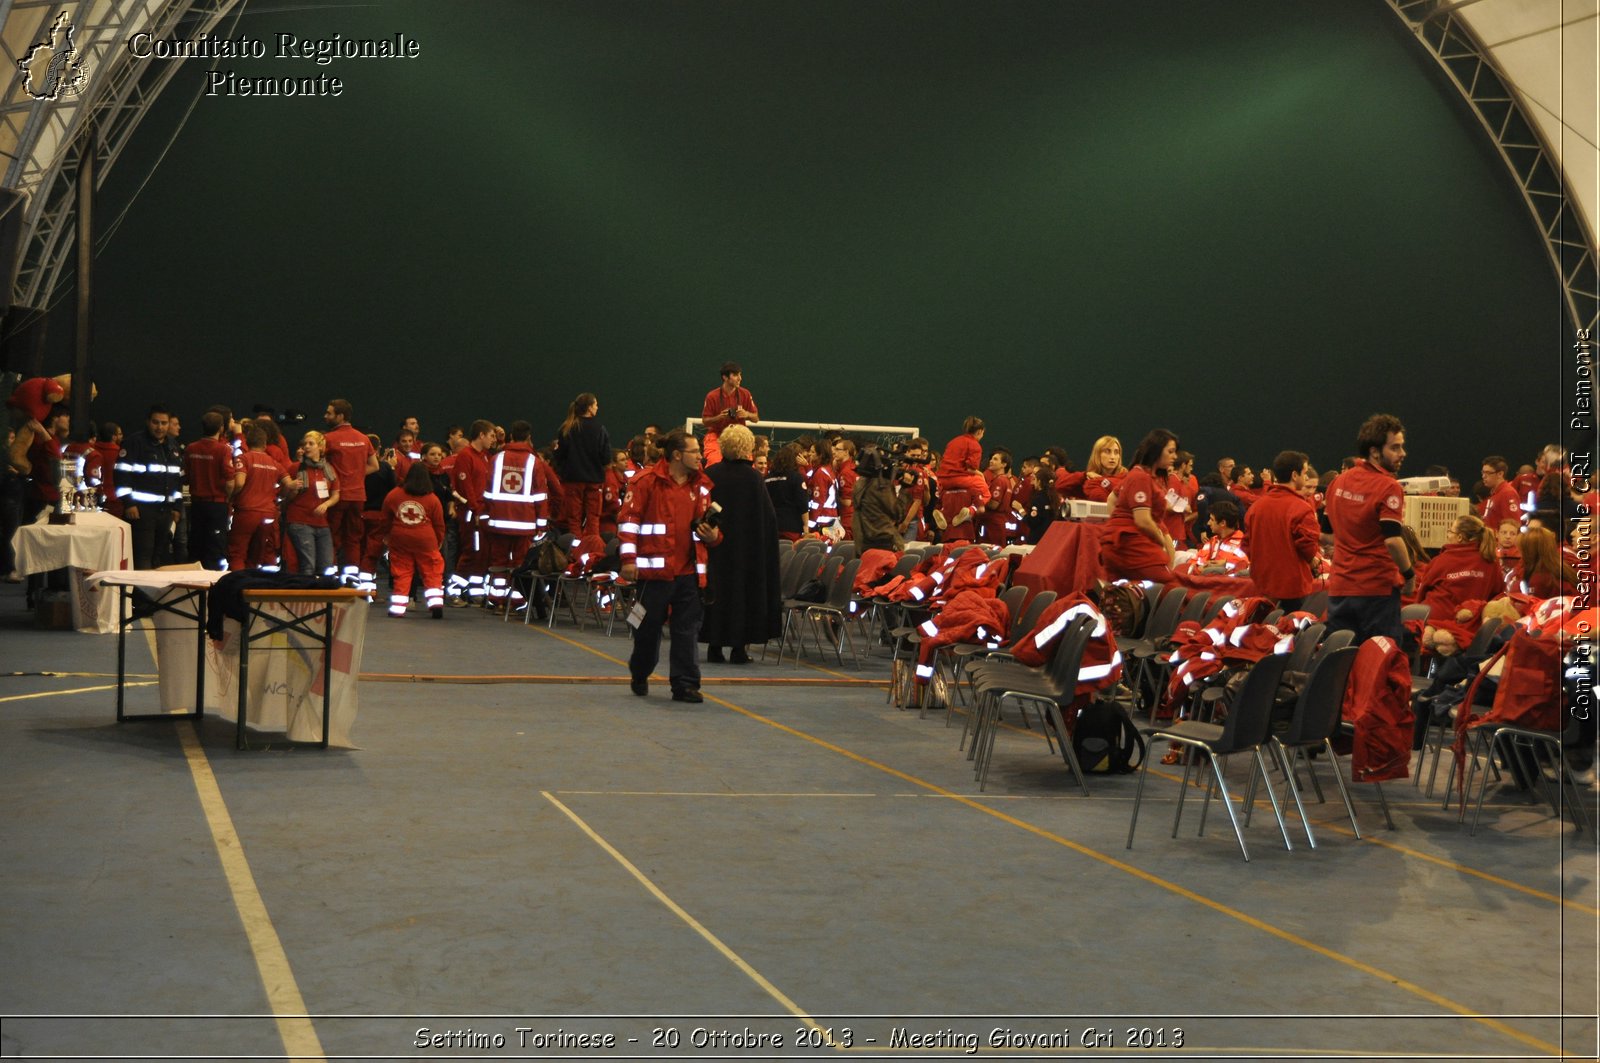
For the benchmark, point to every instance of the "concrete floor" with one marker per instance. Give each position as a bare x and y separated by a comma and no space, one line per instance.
795,861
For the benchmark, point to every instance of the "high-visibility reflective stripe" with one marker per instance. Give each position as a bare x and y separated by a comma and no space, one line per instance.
629,548
398,599
128,466
700,569
652,529
398,610
1100,671
629,527
930,628
924,672
981,570
1283,645
916,592
144,496
651,562
515,525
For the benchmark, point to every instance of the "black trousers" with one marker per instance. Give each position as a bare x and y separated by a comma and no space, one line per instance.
208,533
1368,616
152,536
681,599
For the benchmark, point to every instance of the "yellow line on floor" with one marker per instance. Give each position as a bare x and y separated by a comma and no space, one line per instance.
694,924
693,793
1165,884
1198,782
1426,994
283,994
77,690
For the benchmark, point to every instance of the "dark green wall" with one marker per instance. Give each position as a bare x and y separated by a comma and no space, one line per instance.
1069,217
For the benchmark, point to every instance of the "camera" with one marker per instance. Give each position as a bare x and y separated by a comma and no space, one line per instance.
713,517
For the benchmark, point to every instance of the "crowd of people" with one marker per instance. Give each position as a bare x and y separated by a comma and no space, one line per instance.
452,519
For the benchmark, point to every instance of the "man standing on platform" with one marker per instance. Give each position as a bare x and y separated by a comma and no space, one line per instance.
352,457
1371,564
149,476
664,537
729,404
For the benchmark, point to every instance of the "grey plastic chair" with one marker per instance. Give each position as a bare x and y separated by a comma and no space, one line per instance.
1248,728
1315,719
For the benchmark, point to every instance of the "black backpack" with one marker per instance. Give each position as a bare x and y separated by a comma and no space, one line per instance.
1106,741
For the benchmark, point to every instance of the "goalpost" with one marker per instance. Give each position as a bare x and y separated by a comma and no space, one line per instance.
786,431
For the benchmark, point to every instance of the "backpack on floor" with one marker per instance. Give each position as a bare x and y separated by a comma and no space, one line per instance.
1106,741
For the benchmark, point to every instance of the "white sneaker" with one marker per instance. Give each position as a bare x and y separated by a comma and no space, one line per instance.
938,519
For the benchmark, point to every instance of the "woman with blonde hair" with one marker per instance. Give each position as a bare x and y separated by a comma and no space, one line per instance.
1545,573
1465,570
1101,476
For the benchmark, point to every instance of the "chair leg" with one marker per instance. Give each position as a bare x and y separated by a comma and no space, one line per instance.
1227,801
1338,778
1183,791
1138,796
1287,758
1277,812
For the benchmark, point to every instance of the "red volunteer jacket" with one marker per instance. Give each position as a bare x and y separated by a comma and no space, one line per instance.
516,496
657,522
412,522
1281,538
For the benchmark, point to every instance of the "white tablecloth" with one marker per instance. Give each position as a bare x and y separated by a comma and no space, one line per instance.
95,543
285,668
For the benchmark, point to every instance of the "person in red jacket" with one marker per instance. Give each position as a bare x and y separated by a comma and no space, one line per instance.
209,468
844,478
1134,545
730,403
253,536
664,534
469,479
1502,501
108,445
305,518
1180,516
1371,564
822,482
516,507
999,524
1545,573
1281,535
1102,476
616,486
352,457
412,527
963,492
1464,570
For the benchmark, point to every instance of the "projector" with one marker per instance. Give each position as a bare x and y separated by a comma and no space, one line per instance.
1425,485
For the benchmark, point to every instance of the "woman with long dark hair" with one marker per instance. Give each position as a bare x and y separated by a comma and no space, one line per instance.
582,453
787,489
1135,546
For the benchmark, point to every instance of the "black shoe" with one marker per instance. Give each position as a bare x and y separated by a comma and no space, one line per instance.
740,656
714,656
437,612
691,696
641,687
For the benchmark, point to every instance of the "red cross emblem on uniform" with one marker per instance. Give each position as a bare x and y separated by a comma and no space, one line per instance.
1140,496
410,513
511,481
1393,502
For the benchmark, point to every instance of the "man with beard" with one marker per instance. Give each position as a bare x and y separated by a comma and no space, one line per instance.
1371,564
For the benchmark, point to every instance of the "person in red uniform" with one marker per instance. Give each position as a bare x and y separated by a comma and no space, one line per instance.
1281,535
252,539
822,482
108,445
664,537
209,468
413,529
1502,501
844,478
1222,553
516,507
616,486
963,492
999,524
1134,545
1371,564
1102,476
44,463
469,478
730,403
316,491
30,406
1465,569
1181,494
352,457
1545,572
582,455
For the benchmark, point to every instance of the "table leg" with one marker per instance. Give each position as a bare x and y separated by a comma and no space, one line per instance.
200,653
122,645
244,672
327,669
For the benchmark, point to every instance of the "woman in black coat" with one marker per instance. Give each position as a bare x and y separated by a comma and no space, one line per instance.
790,499
741,570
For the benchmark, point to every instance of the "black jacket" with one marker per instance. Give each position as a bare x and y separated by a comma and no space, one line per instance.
582,457
149,472
742,569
